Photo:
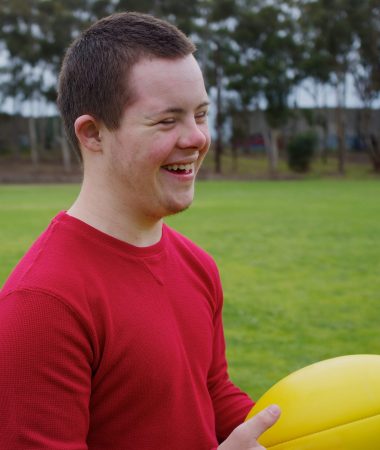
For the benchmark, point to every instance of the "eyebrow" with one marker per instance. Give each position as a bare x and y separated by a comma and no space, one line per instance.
175,110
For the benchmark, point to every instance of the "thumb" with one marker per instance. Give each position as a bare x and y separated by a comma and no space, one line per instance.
259,423
263,420
245,436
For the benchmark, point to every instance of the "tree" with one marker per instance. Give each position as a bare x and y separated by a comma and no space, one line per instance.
314,66
23,78
267,64
36,34
213,35
327,29
180,13
366,26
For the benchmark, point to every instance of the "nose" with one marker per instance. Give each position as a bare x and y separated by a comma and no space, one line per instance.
193,135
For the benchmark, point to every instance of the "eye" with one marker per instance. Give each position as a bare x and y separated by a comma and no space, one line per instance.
201,116
168,121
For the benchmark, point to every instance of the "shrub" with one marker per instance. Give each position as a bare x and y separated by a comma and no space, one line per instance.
300,151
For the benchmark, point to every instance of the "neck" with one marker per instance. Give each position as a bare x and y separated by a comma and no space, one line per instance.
104,211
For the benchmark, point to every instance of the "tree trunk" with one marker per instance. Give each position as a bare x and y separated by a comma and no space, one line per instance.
272,150
65,149
341,140
219,122
234,152
324,122
341,126
325,127
371,141
15,145
33,141
324,152
42,125
374,152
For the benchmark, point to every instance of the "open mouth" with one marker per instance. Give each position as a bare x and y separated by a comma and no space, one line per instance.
181,169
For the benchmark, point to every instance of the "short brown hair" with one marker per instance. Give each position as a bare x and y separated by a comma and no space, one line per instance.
94,74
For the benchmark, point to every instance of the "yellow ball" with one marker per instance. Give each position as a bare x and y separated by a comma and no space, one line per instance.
330,405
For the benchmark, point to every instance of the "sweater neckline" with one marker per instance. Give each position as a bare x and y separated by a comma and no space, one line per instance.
100,237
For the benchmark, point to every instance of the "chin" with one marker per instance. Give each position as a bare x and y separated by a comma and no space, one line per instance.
177,209
176,206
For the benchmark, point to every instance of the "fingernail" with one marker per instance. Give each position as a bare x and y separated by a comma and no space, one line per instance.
274,410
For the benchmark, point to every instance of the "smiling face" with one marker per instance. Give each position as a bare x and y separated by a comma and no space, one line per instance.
153,157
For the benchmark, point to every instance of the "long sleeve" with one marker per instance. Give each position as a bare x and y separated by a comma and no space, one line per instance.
45,376
104,345
231,405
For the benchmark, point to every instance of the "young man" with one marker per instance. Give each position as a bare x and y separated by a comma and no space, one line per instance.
110,326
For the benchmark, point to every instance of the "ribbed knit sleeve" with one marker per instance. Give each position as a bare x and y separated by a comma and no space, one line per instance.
107,346
231,405
45,376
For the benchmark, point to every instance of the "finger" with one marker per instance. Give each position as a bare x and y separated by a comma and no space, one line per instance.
262,421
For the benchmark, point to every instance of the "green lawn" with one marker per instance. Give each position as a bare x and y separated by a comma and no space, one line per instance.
299,260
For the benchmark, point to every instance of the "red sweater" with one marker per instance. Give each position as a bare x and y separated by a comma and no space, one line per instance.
104,345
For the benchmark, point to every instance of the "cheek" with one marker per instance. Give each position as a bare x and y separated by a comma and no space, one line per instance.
206,132
160,147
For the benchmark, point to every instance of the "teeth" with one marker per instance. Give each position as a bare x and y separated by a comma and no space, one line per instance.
187,167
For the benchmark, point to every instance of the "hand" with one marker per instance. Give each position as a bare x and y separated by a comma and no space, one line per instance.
244,437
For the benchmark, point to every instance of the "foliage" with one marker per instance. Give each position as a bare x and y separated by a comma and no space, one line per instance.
35,34
300,151
326,26
366,25
215,50
268,54
254,53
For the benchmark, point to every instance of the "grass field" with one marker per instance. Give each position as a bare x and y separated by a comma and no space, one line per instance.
299,260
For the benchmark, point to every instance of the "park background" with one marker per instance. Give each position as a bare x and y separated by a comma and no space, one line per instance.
288,198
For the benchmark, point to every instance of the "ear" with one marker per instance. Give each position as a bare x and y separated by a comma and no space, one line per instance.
87,130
